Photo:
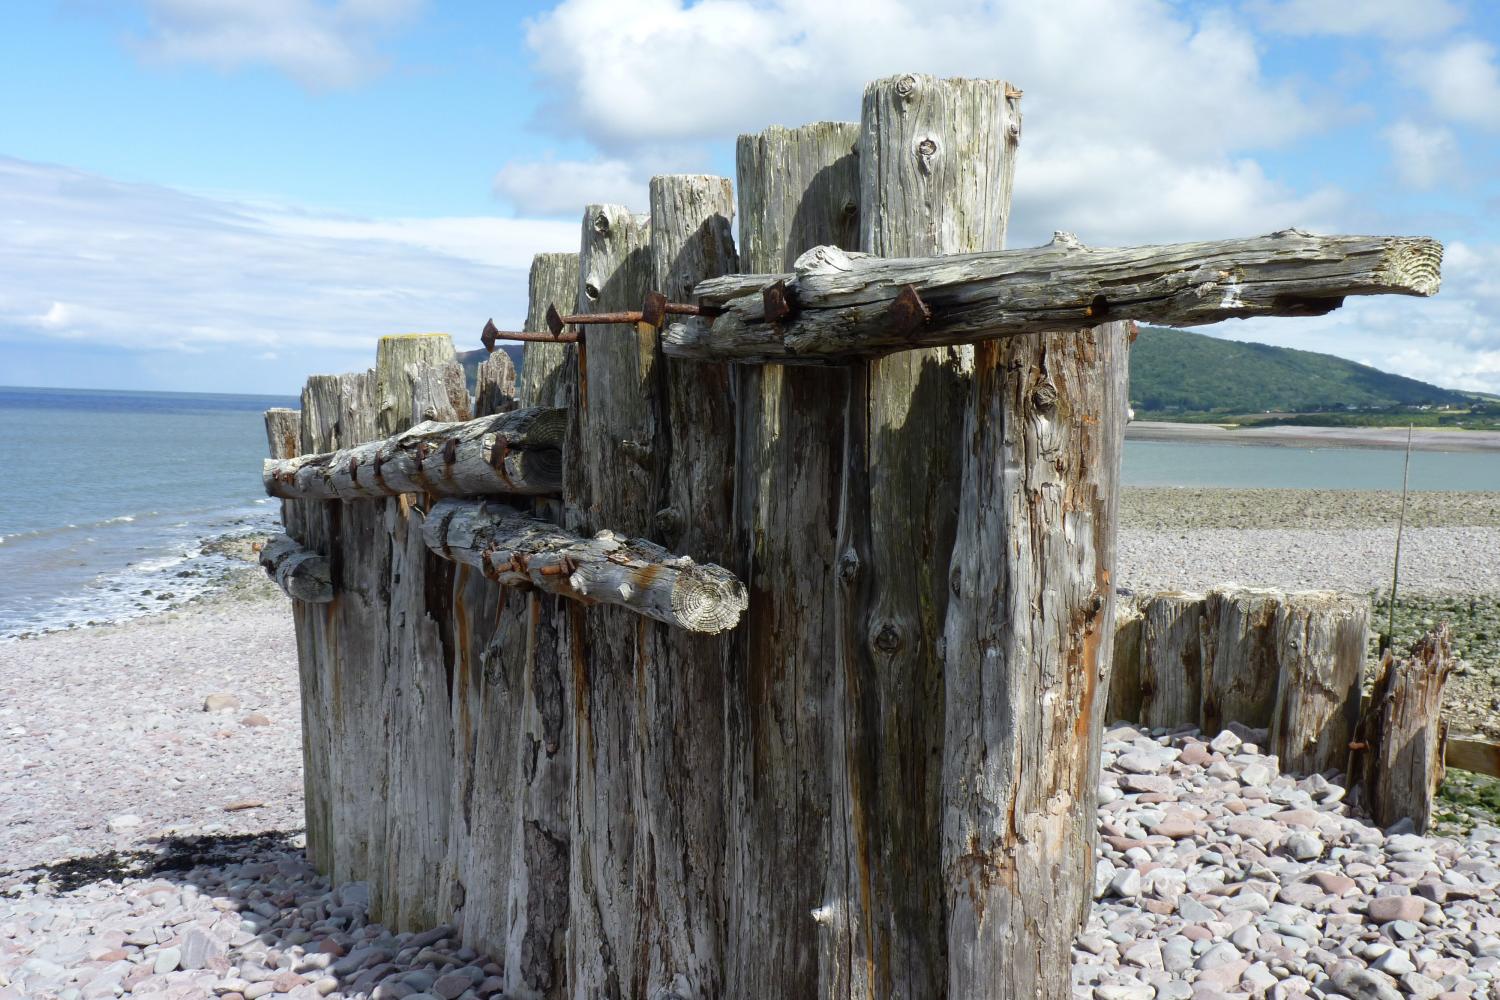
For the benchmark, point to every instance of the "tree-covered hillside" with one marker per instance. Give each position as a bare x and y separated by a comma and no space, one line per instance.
1175,372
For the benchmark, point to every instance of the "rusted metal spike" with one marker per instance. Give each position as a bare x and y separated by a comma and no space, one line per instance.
537,337
599,319
554,319
487,338
777,303
908,312
654,309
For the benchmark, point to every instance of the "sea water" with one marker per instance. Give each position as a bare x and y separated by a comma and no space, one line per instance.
109,497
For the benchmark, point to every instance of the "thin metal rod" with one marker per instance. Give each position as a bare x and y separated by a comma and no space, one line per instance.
1390,625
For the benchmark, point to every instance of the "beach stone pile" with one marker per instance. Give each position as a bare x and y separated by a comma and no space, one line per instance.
1218,876
253,921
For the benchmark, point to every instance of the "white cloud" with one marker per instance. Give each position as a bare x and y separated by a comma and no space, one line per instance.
1423,155
1393,19
563,187
1461,81
1137,119
1125,68
322,44
87,259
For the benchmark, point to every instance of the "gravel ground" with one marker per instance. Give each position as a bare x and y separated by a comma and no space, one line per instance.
1219,877
1454,560
151,848
105,744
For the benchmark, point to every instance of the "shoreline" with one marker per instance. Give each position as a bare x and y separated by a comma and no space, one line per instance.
1423,438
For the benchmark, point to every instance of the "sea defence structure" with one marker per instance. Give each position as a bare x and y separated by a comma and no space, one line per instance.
757,645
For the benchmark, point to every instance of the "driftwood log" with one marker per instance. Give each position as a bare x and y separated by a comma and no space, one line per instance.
510,453
1402,735
302,574
851,305
1473,753
516,550
798,188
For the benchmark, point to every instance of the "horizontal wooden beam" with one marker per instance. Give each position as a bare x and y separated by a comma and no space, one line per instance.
511,453
839,305
515,549
1473,753
301,573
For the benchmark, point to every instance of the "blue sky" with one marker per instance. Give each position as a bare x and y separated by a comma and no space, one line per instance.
226,195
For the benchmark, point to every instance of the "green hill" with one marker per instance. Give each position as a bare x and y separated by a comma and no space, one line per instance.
1175,373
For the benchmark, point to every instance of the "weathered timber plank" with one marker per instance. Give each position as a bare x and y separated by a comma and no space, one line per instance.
510,453
843,300
554,281
679,708
1125,690
302,574
933,180
1401,736
798,188
1320,641
517,550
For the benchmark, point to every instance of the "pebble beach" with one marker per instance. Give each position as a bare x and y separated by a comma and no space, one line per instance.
150,803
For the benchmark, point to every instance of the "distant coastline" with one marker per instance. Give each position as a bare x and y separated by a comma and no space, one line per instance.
1423,438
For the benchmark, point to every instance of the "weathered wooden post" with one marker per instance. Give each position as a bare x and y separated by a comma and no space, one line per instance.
798,188
537,893
554,281
1400,763
1320,640
936,162
611,486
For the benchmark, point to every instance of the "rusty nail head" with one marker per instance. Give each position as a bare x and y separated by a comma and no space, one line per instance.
908,311
775,301
554,319
654,309
487,338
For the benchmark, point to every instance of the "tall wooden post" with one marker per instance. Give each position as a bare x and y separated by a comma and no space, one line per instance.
610,485
936,162
679,691
798,188
408,720
1029,638
536,906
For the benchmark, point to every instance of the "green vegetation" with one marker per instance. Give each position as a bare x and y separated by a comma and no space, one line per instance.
1179,375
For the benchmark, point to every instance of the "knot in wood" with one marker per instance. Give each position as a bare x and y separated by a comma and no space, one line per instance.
906,87
1044,396
668,522
927,148
601,224
848,567
886,637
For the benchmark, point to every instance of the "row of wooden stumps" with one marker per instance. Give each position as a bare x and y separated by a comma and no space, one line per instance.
881,784
1292,664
